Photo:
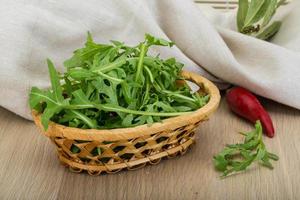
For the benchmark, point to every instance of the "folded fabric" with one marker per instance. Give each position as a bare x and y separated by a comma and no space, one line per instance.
206,42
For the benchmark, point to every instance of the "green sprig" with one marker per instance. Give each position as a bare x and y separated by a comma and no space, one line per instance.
238,157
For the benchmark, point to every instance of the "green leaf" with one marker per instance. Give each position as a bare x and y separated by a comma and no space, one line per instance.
227,152
117,43
270,31
272,156
89,122
55,83
256,11
37,96
99,150
151,40
149,73
89,39
115,108
201,100
86,54
239,157
68,86
182,108
114,85
250,136
266,162
112,79
244,165
150,120
106,88
126,88
111,66
272,6
80,74
48,113
74,149
220,163
246,154
242,13
253,17
53,98
140,65
127,121
164,106
261,153
250,145
80,98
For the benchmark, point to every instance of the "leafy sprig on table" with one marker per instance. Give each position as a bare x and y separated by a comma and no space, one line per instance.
253,18
238,157
110,86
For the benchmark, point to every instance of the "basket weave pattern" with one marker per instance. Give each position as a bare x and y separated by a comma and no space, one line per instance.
125,153
112,150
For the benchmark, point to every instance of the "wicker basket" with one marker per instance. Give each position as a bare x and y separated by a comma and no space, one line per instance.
130,148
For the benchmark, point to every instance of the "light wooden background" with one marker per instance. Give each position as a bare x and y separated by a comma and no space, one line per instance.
29,167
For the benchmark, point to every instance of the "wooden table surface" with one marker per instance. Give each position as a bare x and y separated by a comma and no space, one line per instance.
30,169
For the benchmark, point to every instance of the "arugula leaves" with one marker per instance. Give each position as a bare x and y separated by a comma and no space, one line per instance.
238,157
114,85
53,98
253,18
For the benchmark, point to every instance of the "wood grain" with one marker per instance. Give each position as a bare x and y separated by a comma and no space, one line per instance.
29,167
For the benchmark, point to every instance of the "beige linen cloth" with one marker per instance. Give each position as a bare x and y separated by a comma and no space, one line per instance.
206,42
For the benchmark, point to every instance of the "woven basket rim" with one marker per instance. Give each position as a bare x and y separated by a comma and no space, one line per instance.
58,130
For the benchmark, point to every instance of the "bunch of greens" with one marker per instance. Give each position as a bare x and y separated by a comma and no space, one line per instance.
253,18
237,157
110,86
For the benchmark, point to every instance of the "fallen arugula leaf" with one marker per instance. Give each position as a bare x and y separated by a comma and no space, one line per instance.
253,18
114,85
238,157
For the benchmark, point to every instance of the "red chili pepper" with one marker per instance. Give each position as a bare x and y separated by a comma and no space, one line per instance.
245,104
